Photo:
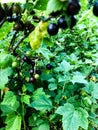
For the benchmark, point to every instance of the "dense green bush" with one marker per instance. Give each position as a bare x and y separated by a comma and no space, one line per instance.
48,82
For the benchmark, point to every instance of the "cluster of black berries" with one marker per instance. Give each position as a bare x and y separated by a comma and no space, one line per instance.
14,14
35,71
72,9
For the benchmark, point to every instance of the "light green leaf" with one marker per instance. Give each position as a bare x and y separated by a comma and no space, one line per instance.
52,86
73,118
38,93
9,103
55,5
42,104
45,52
44,126
25,99
79,78
95,91
64,66
40,5
4,76
5,60
82,118
13,122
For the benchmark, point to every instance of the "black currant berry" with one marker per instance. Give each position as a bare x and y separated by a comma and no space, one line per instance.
29,26
32,80
9,19
38,71
73,7
15,18
52,29
31,71
62,23
95,9
18,26
73,21
26,59
33,63
49,66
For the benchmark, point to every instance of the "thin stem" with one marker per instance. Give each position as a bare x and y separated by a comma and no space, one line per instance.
18,43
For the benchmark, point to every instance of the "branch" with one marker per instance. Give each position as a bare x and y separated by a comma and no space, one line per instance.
2,22
12,41
18,43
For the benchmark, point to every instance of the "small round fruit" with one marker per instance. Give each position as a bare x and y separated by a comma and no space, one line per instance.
9,19
31,71
73,21
73,7
32,80
62,23
36,76
52,29
26,59
15,17
49,66
95,9
38,71
18,26
28,53
16,8
14,64
33,63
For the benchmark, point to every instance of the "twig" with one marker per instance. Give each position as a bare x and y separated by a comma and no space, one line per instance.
2,22
12,41
18,43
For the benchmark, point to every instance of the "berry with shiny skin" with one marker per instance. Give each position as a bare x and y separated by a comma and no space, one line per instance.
49,66
26,59
31,71
9,19
18,26
95,9
52,29
33,63
38,71
62,23
32,80
73,7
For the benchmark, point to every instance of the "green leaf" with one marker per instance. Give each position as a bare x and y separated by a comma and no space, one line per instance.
64,66
25,99
45,52
38,93
73,118
5,60
4,73
44,126
42,104
9,103
40,5
79,78
95,91
52,86
13,122
55,5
